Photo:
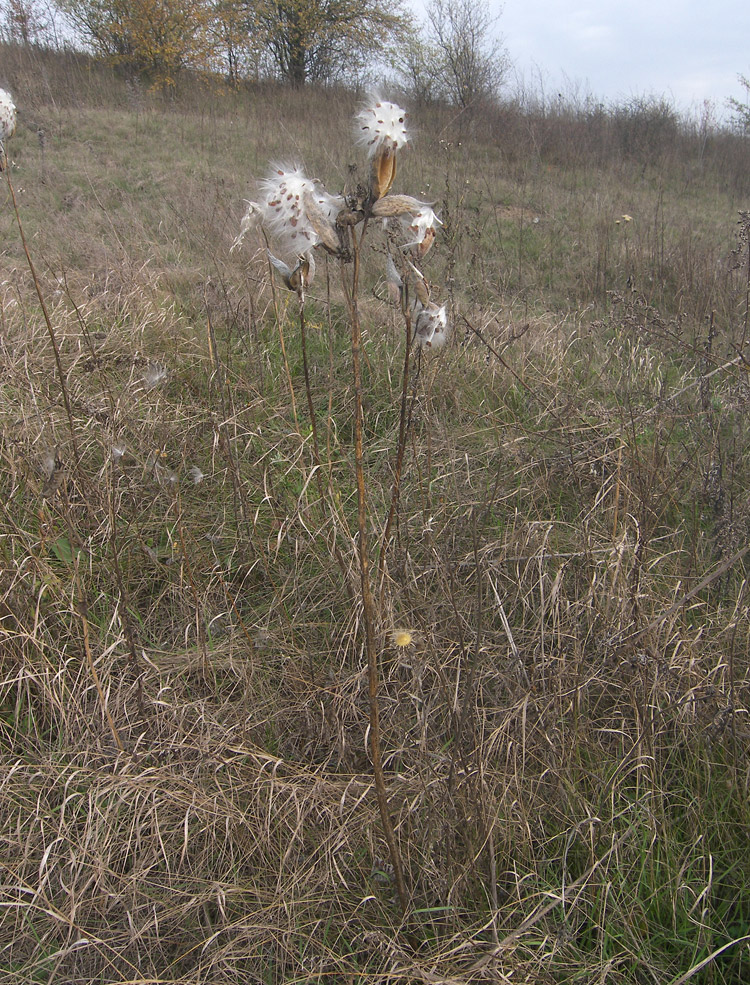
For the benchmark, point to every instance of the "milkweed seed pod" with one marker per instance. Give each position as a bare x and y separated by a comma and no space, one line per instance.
431,327
394,281
412,278
298,278
421,230
417,218
319,210
7,124
397,206
416,278
381,128
298,212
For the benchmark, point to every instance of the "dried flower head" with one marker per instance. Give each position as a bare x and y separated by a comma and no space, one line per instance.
402,637
297,211
118,451
431,326
196,475
7,124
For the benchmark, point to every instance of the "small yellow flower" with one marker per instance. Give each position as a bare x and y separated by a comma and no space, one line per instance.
402,638
627,218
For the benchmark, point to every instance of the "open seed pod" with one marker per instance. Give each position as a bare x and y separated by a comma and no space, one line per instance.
431,326
319,221
383,172
420,284
300,276
396,205
381,128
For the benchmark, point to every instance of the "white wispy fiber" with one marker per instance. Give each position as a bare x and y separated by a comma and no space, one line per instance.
154,374
421,228
48,464
431,326
381,125
252,218
7,123
394,281
297,211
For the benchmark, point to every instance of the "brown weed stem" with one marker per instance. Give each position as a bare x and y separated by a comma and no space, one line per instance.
368,605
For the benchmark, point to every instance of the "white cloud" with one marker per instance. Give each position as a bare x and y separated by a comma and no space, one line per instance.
686,50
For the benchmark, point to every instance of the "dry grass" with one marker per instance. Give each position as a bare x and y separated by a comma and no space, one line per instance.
186,794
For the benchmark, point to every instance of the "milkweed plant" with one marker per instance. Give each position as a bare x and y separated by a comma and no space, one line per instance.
301,219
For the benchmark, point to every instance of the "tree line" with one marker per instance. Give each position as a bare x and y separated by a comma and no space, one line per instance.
454,54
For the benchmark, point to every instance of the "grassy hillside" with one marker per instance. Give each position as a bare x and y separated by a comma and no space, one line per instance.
186,793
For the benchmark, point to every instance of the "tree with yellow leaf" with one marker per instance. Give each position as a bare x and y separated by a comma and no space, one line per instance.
156,37
299,41
324,40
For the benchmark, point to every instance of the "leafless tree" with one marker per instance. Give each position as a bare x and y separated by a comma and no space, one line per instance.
472,58
26,22
741,110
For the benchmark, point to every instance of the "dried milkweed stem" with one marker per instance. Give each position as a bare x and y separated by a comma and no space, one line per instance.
402,432
368,605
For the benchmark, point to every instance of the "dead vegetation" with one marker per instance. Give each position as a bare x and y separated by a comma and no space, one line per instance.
186,793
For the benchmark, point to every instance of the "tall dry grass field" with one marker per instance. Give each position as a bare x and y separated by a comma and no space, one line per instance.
186,794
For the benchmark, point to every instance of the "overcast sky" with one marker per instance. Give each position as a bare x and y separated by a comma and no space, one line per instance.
687,50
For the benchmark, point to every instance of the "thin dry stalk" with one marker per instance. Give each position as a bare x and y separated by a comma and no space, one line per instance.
368,605
400,449
47,322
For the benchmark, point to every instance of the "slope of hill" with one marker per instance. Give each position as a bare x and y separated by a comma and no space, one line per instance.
562,632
